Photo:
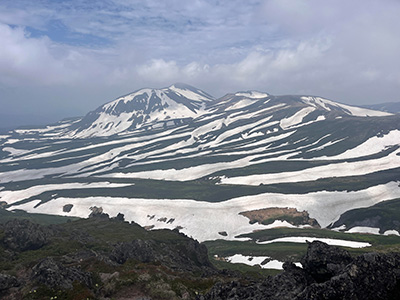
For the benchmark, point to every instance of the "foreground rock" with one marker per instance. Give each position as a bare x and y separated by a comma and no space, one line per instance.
188,257
22,235
328,273
100,258
108,258
7,282
55,275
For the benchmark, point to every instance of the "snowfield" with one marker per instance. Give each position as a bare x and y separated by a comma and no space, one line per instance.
195,216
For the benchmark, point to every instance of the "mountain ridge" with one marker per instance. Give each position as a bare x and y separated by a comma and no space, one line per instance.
238,154
180,103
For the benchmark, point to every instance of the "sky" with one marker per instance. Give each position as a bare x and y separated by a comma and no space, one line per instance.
63,59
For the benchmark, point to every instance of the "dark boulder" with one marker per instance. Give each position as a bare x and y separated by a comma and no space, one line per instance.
67,207
140,250
120,217
22,235
186,255
7,282
323,262
55,275
97,212
370,276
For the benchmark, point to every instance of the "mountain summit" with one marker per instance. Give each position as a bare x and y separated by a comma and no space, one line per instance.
164,107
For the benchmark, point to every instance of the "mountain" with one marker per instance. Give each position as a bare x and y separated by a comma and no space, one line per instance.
391,107
154,108
212,168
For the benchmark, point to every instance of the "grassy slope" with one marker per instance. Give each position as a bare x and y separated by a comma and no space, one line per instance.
384,215
294,251
42,219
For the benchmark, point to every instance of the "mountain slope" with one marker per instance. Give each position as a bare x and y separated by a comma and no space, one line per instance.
391,107
156,107
218,158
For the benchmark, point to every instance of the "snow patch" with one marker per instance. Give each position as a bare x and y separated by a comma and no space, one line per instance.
296,118
326,171
363,229
255,261
252,94
371,146
351,110
391,232
333,242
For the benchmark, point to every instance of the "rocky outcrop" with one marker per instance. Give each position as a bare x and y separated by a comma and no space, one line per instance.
97,212
188,256
7,282
55,275
67,207
22,235
162,264
369,276
285,286
137,249
323,261
269,215
328,273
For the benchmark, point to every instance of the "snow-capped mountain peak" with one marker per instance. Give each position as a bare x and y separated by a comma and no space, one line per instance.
145,107
180,103
190,92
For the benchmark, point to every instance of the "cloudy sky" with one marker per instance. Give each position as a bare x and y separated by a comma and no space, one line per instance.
64,58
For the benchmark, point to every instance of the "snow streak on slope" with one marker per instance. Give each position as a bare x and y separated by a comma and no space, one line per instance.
296,118
373,145
14,196
303,240
331,170
352,110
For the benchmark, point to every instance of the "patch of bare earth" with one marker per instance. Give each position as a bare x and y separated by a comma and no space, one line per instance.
269,215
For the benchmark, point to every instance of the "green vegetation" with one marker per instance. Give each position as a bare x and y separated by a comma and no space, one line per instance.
384,215
252,271
285,251
43,219
280,251
270,234
294,220
88,244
